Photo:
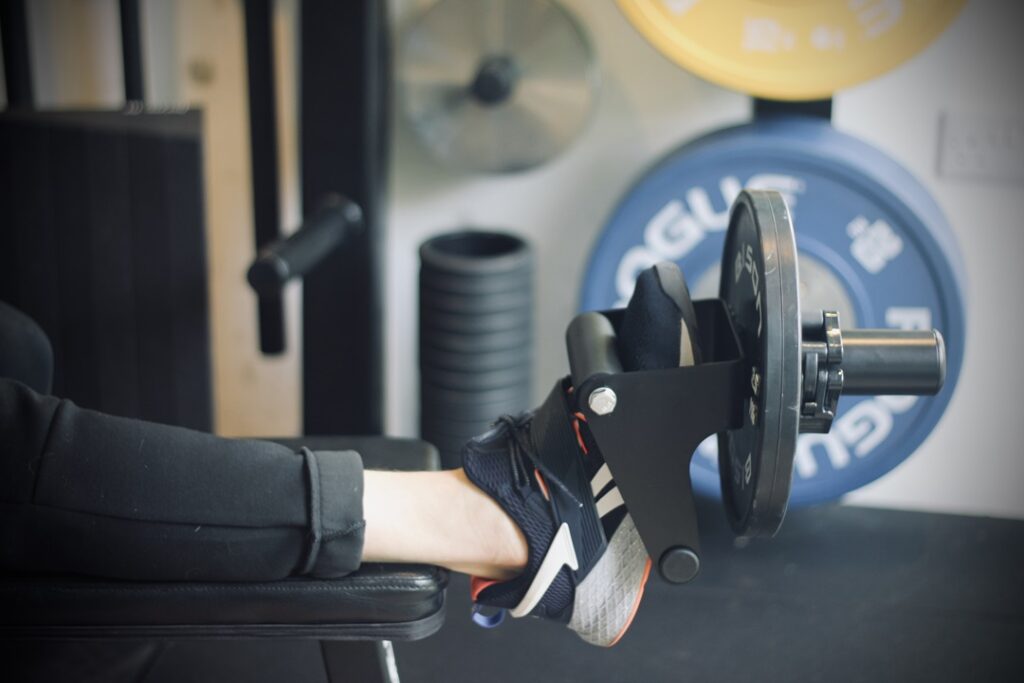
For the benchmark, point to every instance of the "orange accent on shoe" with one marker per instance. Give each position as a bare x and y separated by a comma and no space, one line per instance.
579,435
478,585
543,484
636,605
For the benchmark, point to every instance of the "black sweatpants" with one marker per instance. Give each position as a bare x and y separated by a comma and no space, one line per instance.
88,493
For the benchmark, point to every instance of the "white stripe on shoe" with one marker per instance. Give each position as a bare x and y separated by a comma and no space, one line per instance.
609,501
600,480
560,553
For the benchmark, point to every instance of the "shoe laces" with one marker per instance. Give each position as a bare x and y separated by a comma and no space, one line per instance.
517,427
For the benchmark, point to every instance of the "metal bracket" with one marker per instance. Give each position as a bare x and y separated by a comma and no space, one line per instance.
659,419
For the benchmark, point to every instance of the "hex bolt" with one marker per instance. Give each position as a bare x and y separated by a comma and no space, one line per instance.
755,381
602,400
752,412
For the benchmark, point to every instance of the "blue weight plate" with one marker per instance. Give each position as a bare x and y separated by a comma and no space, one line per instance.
872,244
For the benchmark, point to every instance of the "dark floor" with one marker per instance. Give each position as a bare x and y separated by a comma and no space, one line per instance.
842,594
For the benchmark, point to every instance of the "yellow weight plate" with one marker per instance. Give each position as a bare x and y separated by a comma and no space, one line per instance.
790,49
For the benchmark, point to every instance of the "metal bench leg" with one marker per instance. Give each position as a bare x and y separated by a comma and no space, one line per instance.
369,661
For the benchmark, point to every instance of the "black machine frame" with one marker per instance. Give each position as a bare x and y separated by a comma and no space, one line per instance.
344,119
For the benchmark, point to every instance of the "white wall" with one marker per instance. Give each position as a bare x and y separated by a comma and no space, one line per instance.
973,462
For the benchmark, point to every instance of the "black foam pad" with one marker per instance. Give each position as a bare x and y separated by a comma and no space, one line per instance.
659,312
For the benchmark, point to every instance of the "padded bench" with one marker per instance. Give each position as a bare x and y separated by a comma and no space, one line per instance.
377,603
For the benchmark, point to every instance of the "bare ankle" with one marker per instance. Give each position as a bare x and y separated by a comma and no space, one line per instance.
439,518
503,548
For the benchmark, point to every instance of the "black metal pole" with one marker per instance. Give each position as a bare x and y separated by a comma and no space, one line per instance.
131,51
17,65
344,123
816,108
259,46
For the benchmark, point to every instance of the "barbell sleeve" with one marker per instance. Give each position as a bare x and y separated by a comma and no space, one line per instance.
885,361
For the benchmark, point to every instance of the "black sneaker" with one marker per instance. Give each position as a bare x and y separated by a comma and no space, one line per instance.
587,566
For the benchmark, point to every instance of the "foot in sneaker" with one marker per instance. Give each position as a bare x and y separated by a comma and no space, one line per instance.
587,566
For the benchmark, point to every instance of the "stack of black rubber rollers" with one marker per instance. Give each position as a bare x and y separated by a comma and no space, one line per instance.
476,335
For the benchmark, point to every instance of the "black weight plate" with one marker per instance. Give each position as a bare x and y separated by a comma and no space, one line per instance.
486,400
479,323
462,429
518,300
462,405
505,283
443,282
455,430
476,253
519,357
455,421
760,285
445,410
444,318
455,342
476,327
474,381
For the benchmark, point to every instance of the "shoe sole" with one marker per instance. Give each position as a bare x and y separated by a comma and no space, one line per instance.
607,599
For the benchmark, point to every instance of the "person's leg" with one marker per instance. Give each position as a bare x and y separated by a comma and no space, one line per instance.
439,518
154,502
86,493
